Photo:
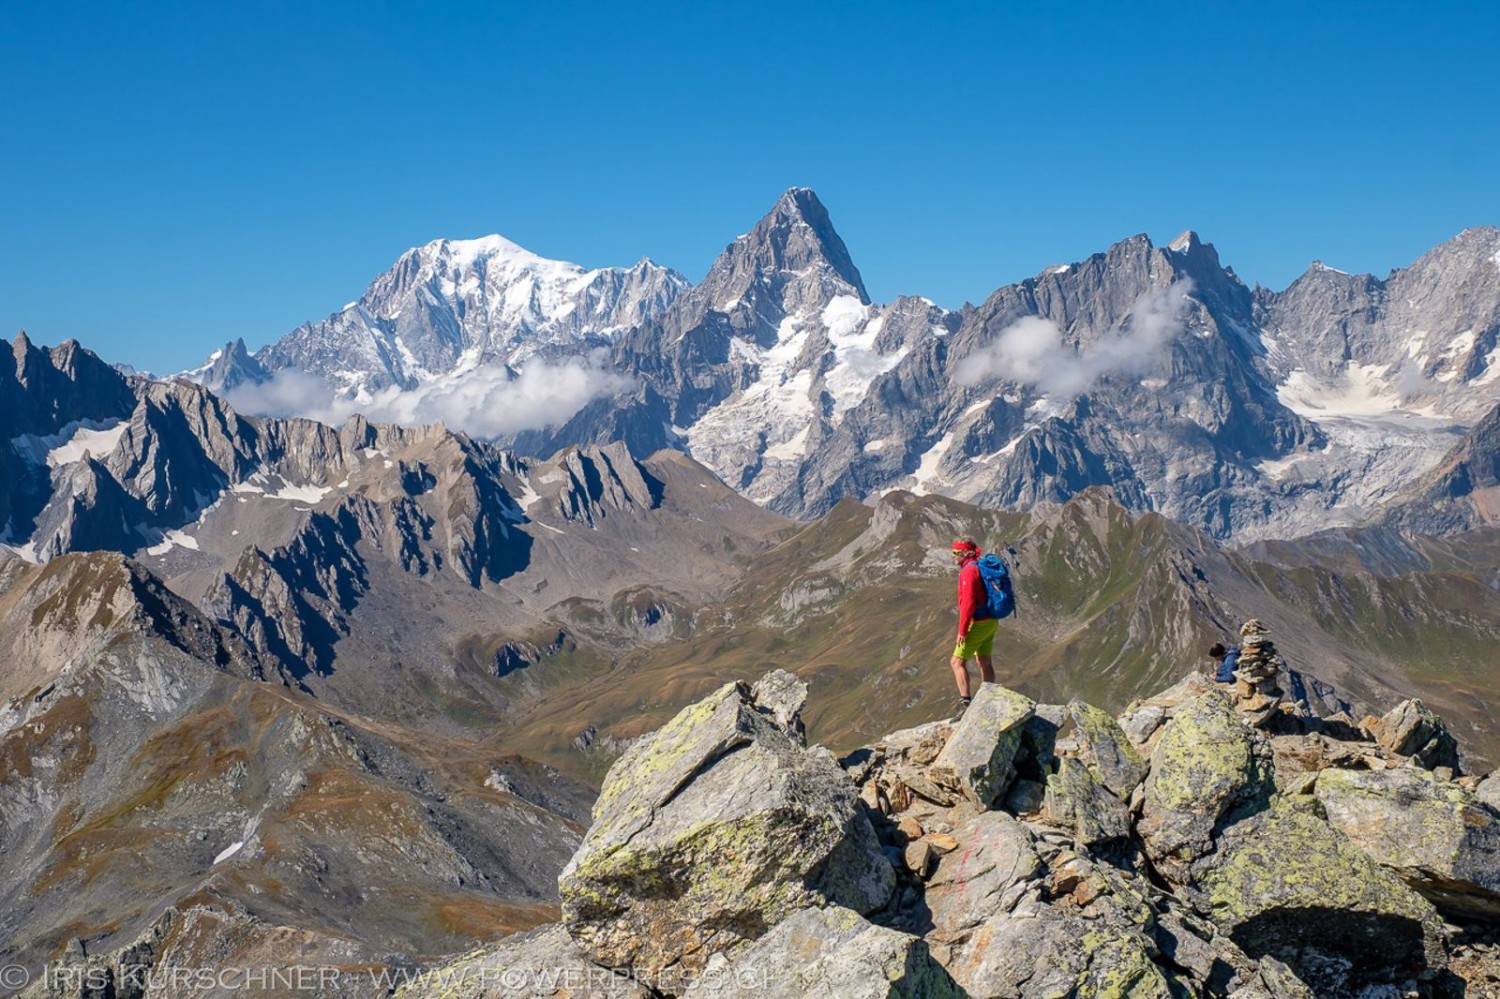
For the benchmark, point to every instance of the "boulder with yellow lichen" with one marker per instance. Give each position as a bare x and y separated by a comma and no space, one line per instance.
714,830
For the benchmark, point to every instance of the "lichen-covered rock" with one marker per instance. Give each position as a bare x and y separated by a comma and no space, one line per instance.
1431,832
1207,765
831,953
1274,980
1410,729
1105,749
1284,884
1080,930
1079,803
542,963
978,759
989,873
712,831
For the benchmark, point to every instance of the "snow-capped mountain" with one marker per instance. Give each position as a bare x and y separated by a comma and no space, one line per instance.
1423,341
1153,370
453,305
1137,368
753,369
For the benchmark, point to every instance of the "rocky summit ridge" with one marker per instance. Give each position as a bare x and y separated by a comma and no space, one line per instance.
1193,845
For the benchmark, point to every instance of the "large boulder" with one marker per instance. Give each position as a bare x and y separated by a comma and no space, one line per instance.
1208,766
712,831
978,761
1431,832
1142,720
1284,884
832,953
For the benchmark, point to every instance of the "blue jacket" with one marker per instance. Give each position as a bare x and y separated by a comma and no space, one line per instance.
1226,667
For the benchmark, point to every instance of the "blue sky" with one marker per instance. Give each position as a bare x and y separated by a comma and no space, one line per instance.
177,174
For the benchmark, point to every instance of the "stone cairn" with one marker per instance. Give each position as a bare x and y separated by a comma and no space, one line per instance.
1256,692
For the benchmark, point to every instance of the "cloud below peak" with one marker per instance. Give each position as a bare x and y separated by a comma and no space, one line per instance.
1031,350
489,401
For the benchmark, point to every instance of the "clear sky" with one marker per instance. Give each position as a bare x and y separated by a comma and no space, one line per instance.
173,175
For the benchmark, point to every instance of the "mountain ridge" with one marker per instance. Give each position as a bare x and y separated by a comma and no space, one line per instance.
1154,370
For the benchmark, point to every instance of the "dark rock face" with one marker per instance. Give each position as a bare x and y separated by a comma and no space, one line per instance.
41,393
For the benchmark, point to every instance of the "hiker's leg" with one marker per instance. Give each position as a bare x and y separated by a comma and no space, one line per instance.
960,675
986,668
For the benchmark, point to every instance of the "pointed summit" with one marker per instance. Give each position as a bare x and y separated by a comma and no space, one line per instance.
1186,242
228,367
797,233
792,261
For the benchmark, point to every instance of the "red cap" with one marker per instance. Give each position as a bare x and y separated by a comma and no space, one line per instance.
962,545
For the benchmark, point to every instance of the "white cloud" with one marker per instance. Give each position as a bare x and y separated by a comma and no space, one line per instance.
488,401
1031,350
1410,382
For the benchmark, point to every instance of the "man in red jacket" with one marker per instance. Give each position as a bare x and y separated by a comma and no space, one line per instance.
976,636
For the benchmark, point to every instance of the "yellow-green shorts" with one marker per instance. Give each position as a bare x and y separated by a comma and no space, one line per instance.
980,641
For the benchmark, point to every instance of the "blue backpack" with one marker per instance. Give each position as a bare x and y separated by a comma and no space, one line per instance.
1000,595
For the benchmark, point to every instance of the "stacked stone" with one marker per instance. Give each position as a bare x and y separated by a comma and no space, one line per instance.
1256,691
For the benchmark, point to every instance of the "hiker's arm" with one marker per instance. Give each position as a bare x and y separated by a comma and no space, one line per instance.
970,591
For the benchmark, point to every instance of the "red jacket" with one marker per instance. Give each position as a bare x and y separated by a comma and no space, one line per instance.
970,594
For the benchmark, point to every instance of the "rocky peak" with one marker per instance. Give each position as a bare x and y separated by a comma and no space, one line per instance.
799,232
48,389
228,368
1477,244
597,479
1190,247
792,260
1305,855
1427,334
1213,283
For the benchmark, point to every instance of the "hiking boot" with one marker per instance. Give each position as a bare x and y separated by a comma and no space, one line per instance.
963,705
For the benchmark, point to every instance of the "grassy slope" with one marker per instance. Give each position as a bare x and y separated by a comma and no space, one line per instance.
860,604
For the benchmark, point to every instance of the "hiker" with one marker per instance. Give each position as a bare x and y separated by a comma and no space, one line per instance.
1226,660
976,629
